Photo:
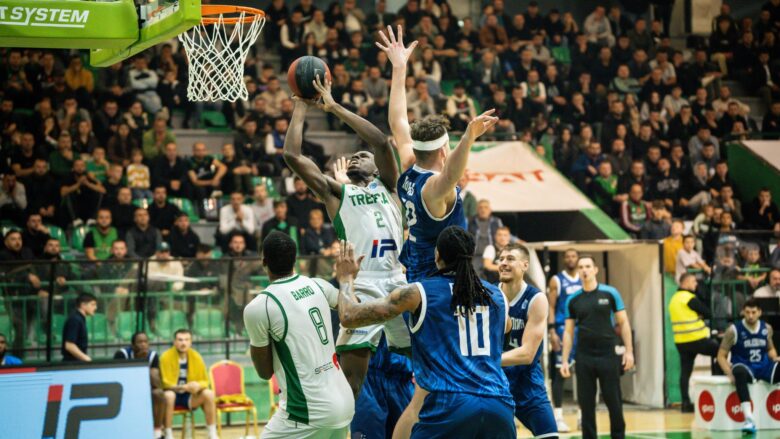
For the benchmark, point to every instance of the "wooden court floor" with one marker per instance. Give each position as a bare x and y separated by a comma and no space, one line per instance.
641,423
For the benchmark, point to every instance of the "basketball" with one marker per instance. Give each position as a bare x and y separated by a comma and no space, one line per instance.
301,74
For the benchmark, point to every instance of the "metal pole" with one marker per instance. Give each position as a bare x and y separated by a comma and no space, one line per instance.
50,310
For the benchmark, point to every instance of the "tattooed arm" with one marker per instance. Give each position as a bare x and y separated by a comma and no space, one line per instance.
352,313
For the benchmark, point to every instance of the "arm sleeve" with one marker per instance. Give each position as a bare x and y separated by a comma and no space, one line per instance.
699,306
619,306
568,307
331,292
89,241
70,331
489,253
155,364
256,320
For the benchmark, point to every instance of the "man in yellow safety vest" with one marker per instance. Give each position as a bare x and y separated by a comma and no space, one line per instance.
691,334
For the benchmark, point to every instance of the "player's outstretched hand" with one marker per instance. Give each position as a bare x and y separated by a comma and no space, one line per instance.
480,124
347,266
340,170
326,102
565,372
394,48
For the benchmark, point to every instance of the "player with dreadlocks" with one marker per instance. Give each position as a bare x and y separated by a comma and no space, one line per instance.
458,322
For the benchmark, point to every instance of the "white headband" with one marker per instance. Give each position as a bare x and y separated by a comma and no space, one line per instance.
431,145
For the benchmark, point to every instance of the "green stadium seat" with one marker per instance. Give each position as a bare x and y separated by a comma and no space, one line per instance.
447,86
58,234
142,202
216,253
561,54
7,228
7,327
125,325
97,328
186,206
269,184
213,119
77,238
57,324
168,321
209,323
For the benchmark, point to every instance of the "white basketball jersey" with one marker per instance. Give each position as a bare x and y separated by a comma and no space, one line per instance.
370,219
295,314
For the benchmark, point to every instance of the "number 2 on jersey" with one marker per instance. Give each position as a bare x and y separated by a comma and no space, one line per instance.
469,333
319,324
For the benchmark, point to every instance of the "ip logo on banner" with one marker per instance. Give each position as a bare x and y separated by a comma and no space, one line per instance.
706,406
773,405
734,409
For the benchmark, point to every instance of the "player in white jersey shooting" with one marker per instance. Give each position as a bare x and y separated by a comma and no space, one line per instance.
364,211
290,331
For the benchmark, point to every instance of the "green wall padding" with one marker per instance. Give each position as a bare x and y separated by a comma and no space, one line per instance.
606,224
751,172
672,358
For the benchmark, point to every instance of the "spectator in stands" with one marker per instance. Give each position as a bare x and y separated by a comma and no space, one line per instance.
186,383
694,190
273,97
732,117
492,251
236,218
636,175
99,239
262,207
143,238
772,289
375,85
7,359
483,226
723,41
70,114
170,171
420,101
139,349
603,188
238,174
43,192
696,144
665,186
586,166
123,212
75,342
248,141
164,264
84,141
291,36
659,226
81,194
774,258
598,29
274,145
107,120
121,144
728,203
460,108
771,122
762,212
689,258
205,173
672,245
318,236
97,165
492,36
35,234
61,160
23,158
155,139
301,202
139,178
143,82
182,239
721,103
162,213
281,221
634,211
752,267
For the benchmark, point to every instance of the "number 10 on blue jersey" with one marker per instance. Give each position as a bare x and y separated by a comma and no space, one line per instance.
469,332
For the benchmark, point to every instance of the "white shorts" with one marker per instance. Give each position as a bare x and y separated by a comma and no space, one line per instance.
371,286
281,428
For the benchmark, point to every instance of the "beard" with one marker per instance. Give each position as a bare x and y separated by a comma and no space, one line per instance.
358,174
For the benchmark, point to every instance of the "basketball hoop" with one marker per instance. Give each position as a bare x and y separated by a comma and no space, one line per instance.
217,54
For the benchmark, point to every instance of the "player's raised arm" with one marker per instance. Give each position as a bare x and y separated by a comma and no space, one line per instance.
440,189
532,335
398,120
383,154
354,314
325,187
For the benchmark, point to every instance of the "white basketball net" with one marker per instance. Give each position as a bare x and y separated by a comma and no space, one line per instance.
217,55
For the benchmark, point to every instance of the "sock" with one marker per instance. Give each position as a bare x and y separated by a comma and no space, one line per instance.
747,410
157,432
212,429
558,413
168,433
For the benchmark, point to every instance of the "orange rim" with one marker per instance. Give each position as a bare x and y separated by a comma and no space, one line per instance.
208,12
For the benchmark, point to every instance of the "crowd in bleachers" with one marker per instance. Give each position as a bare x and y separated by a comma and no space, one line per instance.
637,123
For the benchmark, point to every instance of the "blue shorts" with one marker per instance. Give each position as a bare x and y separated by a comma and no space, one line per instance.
532,407
465,416
182,401
383,397
766,371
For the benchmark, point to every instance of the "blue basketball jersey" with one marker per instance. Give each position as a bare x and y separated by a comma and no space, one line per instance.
751,348
518,315
455,353
417,253
566,287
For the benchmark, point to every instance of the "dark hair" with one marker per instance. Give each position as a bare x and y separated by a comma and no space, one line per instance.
203,248
429,127
278,203
456,248
11,232
136,334
688,236
586,256
751,303
519,247
182,331
279,253
85,298
685,277
3,336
